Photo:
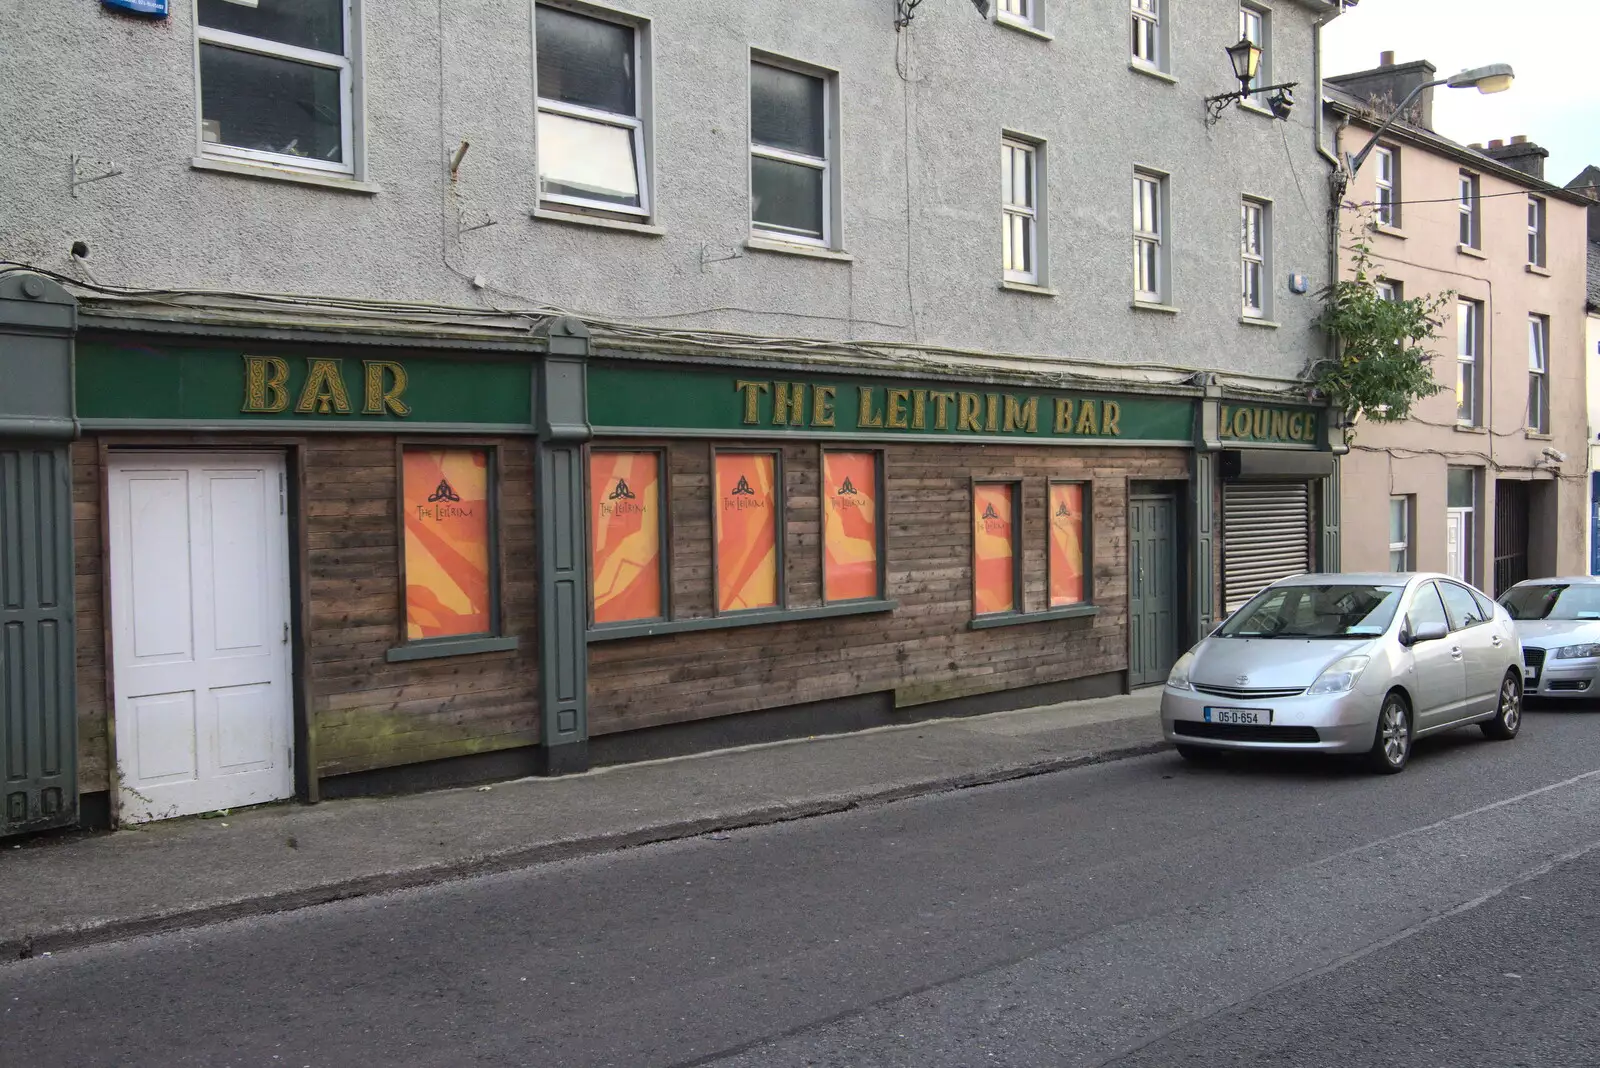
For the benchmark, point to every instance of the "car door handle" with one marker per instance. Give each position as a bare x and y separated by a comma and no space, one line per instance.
1496,641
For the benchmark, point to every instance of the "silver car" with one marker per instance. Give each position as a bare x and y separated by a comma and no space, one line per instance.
1358,664
1558,622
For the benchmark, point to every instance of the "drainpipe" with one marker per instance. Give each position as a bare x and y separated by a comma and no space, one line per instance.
1332,488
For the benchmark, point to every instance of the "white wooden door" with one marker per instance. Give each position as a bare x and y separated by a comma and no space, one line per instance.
1455,543
200,632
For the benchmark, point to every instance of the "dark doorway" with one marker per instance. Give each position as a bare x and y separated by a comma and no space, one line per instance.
1510,533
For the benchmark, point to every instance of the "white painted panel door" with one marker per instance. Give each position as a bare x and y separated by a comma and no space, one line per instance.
200,633
1455,543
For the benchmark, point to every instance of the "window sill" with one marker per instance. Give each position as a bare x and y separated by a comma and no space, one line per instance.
1151,72
1470,428
1027,287
573,218
439,647
1248,320
790,248
1389,231
1475,253
1017,619
1539,435
1534,268
282,174
616,631
1024,28
1153,306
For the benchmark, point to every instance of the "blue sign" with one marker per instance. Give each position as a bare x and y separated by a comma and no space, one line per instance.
153,8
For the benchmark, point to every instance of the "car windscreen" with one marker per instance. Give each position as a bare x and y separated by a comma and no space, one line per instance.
1336,611
1555,600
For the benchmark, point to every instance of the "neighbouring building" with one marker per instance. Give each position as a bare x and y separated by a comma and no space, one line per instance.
1587,184
1488,480
472,391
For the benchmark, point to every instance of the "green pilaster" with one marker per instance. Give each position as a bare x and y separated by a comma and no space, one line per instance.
561,413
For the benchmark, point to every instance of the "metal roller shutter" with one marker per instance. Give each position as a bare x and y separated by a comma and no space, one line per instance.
1266,536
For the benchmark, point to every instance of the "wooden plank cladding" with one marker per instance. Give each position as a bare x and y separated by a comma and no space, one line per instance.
363,710
924,647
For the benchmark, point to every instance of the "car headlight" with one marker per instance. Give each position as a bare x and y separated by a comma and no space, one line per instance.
1178,679
1576,652
1340,676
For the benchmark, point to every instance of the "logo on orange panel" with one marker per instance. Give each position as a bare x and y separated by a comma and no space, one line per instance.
622,492
621,501
443,501
847,496
1062,512
992,523
742,489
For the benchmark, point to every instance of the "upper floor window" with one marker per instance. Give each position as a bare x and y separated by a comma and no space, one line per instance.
1149,226
1253,28
1469,364
1387,160
1468,203
1390,290
591,142
275,83
1148,46
1019,11
1253,252
1539,374
791,143
1536,212
1019,210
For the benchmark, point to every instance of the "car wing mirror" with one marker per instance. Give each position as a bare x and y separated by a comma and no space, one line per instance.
1428,632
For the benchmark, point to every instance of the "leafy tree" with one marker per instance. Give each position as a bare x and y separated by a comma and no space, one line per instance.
1383,362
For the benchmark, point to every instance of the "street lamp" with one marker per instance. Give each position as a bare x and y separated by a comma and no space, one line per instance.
1495,78
1246,59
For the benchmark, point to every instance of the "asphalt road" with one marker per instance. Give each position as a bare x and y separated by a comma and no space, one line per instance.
1141,913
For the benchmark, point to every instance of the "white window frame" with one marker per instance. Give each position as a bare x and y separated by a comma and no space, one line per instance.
1539,373
1259,257
1262,18
1467,202
1538,214
1032,213
1469,358
1387,194
1389,289
825,163
1147,237
634,123
1149,13
1404,547
1018,12
345,64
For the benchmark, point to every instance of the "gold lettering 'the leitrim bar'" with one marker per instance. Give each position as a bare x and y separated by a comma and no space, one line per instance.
798,404
323,390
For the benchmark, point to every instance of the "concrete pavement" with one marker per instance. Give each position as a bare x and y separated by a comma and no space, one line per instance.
183,873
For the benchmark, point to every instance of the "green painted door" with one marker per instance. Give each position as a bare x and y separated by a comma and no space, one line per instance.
38,715
1153,593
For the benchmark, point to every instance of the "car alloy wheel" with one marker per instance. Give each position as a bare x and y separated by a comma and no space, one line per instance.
1508,713
1391,747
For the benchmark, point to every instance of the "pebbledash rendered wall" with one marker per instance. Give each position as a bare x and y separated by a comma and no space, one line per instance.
922,112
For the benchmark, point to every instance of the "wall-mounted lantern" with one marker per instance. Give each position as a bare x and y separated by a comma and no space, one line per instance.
1246,60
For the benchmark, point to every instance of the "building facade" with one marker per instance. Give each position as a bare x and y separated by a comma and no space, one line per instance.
464,393
1487,480
1587,184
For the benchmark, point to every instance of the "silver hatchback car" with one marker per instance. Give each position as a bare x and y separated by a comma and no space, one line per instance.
1558,622
1356,664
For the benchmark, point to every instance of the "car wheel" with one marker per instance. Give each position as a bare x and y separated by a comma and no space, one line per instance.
1391,742
1508,714
1197,754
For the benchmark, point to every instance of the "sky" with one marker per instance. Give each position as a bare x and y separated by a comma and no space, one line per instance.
1553,45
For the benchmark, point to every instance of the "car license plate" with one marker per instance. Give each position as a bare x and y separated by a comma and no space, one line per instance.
1249,717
